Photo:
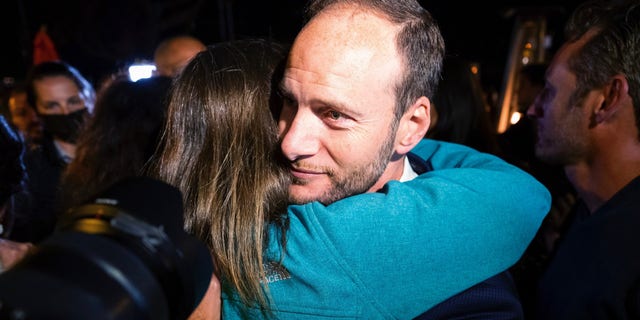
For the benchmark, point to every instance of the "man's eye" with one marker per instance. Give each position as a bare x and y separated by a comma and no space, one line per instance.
334,115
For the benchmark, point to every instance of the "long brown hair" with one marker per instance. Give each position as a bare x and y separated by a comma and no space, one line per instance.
118,140
219,148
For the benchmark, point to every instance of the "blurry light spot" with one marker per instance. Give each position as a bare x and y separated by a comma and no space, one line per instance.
548,41
515,117
141,71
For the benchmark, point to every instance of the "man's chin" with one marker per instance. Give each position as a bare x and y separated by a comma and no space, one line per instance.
305,193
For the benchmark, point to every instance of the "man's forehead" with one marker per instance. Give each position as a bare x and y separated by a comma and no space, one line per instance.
331,66
351,26
340,46
560,68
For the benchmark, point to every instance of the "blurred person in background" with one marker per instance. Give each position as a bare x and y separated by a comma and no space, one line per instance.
24,117
12,182
588,121
118,140
517,145
459,112
64,100
173,54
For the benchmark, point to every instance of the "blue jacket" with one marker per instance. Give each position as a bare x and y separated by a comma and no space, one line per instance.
395,253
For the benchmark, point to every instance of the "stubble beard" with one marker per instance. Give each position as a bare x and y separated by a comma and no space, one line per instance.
561,147
358,180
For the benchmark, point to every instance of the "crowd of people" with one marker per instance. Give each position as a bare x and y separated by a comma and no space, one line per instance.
354,172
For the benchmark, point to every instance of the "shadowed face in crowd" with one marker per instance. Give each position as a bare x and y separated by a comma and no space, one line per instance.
562,122
57,95
24,117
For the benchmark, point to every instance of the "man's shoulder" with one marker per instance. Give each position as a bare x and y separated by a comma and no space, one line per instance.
448,155
427,147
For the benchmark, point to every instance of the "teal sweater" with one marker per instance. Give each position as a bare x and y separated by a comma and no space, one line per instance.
395,253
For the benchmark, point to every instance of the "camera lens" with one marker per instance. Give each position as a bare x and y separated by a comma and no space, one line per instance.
123,256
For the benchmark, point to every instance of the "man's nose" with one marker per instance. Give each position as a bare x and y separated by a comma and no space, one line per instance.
301,136
534,110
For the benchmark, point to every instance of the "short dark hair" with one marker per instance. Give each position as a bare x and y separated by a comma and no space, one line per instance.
615,49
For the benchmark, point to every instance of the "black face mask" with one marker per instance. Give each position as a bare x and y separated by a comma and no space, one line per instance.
65,127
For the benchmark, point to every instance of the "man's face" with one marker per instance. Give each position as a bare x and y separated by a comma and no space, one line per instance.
57,95
24,117
562,127
337,124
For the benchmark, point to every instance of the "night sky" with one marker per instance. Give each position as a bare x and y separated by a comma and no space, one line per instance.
100,36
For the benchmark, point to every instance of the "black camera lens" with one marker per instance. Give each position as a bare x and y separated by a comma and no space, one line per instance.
122,256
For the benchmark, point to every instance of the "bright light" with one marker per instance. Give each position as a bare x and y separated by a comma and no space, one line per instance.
141,71
474,69
515,117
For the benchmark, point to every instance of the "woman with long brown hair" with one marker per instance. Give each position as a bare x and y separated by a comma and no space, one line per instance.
219,148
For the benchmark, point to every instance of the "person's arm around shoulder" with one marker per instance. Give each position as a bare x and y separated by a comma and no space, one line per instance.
436,235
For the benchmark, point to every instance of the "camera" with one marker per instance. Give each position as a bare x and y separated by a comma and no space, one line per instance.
123,255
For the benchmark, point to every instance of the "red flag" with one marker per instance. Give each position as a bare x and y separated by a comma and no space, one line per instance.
43,48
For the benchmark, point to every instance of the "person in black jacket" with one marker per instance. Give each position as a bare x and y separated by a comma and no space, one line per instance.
588,121
64,100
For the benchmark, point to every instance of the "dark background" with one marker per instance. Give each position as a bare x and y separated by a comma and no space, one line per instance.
100,36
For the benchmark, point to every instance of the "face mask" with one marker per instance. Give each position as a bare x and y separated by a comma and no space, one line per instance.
65,127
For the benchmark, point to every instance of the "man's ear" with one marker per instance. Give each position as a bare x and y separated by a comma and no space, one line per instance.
413,125
615,93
